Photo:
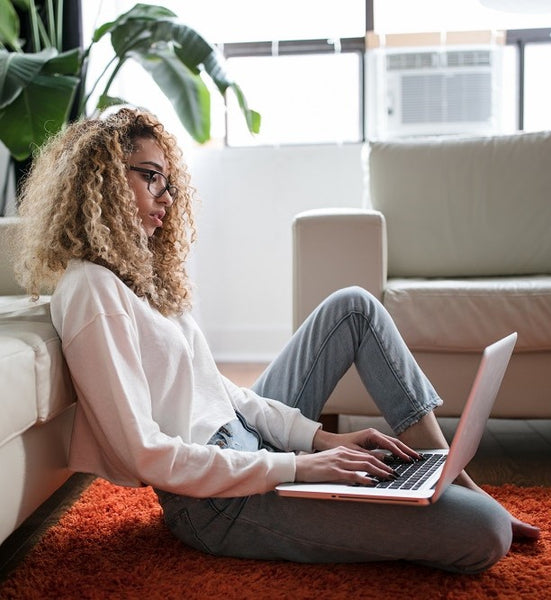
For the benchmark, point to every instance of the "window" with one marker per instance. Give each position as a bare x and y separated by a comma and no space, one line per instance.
537,103
305,97
303,66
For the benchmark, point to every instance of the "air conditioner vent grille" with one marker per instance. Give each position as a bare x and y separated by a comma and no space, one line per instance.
440,98
405,61
470,58
413,61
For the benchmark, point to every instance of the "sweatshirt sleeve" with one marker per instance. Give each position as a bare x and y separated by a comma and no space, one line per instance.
282,426
117,415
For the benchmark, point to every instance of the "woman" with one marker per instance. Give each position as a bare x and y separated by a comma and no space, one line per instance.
108,214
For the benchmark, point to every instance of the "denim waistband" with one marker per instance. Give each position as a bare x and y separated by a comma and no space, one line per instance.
238,435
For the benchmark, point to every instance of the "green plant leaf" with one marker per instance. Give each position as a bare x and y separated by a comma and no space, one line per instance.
65,63
105,101
40,110
186,90
214,67
253,118
140,37
9,25
22,4
18,69
139,11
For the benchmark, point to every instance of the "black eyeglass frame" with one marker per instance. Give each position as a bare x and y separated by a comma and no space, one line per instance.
168,187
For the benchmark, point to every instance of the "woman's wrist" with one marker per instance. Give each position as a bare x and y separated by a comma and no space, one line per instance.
323,440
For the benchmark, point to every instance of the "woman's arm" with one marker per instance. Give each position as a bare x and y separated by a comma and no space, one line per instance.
117,424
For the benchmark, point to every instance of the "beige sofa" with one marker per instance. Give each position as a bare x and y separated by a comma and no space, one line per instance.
36,397
456,243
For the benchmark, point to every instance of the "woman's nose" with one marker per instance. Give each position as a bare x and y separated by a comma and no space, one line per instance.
166,198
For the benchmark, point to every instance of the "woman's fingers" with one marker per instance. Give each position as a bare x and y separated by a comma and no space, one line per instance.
339,464
394,445
354,464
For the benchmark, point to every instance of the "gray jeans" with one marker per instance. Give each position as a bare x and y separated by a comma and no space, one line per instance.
464,531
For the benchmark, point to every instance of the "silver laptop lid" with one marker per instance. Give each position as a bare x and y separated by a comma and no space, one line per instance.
470,429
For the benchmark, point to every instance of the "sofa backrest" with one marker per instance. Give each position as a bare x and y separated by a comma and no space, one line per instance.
464,206
8,243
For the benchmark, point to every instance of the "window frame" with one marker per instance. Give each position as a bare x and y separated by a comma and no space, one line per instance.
520,38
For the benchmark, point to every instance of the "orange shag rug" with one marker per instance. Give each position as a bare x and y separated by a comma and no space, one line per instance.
112,544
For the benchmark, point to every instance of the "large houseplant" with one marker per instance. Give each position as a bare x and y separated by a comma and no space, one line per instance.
41,85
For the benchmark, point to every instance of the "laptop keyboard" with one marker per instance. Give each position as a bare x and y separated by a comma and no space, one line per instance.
411,476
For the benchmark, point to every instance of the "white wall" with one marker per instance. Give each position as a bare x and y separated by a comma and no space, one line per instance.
242,263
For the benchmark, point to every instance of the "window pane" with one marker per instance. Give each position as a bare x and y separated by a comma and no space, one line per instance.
225,21
311,98
404,16
537,98
251,21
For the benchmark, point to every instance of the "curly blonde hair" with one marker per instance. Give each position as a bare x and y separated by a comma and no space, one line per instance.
76,203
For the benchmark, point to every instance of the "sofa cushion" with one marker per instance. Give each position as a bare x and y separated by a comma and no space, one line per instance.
464,207
468,314
18,398
29,323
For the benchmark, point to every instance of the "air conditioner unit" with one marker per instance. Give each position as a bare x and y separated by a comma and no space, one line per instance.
433,91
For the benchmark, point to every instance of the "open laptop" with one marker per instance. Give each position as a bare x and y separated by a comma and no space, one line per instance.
441,466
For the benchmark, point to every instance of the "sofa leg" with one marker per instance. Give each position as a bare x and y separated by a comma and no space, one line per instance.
330,422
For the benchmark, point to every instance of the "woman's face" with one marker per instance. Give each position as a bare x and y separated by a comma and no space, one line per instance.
148,177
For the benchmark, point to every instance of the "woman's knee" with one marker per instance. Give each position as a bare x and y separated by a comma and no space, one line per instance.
354,298
487,532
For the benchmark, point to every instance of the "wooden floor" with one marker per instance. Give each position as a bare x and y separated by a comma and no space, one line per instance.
511,451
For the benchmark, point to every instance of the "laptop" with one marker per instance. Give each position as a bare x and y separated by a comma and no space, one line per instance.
438,467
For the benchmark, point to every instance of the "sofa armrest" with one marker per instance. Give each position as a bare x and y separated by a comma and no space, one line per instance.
336,248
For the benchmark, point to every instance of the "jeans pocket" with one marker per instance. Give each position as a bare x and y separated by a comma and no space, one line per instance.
203,524
230,508
185,527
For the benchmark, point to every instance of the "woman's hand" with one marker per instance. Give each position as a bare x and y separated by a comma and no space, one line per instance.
347,457
366,439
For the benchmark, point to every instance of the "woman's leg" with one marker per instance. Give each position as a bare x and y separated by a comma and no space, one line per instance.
464,531
351,326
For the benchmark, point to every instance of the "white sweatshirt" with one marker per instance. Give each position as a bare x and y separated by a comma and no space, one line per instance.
150,396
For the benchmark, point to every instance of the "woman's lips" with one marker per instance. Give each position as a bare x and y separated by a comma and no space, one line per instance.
157,219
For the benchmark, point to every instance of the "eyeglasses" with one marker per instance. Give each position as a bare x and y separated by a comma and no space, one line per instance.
157,183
